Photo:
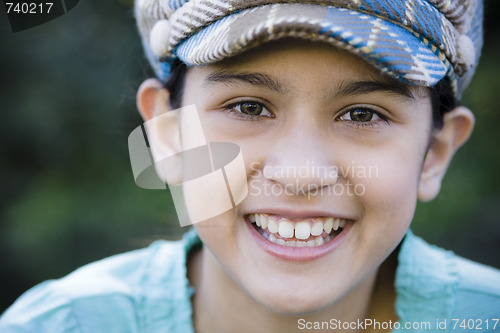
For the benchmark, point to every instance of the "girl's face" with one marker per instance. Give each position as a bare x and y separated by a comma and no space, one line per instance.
328,143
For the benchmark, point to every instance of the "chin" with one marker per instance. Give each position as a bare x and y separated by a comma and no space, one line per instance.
288,304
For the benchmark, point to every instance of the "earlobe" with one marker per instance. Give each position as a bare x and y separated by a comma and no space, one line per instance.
457,127
162,127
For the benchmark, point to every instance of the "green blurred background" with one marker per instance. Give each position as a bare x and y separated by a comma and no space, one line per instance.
67,195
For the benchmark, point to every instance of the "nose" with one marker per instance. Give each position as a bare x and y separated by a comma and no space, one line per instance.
301,161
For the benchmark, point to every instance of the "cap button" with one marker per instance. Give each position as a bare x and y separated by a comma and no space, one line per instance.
466,52
158,38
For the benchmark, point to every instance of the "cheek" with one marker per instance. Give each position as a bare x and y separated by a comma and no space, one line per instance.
387,183
394,191
222,227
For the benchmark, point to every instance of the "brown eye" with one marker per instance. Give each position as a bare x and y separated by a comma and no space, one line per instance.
251,109
360,115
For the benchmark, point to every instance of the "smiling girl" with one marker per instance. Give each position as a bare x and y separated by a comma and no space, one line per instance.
306,90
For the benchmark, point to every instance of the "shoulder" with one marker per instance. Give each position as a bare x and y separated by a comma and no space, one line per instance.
478,291
119,293
431,281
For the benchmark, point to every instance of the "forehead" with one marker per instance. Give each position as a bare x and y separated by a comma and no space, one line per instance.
287,53
292,64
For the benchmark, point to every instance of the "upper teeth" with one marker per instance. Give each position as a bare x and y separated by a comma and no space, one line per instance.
301,229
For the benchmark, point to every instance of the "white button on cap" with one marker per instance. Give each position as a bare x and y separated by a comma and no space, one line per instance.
466,51
158,38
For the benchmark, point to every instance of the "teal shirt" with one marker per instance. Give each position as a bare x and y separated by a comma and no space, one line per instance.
147,291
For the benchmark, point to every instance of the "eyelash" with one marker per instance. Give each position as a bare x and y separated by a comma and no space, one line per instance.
231,109
362,124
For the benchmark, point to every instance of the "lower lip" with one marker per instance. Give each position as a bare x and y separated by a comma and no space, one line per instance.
297,253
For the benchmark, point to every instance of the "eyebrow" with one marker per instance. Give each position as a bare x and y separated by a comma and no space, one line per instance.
345,88
371,86
254,79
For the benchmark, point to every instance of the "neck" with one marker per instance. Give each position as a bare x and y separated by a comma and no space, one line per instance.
221,305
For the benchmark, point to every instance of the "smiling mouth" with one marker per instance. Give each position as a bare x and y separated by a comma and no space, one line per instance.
309,232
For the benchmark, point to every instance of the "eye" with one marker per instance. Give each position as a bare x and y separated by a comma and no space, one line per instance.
250,108
361,115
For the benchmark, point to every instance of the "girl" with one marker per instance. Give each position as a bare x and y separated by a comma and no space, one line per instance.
345,114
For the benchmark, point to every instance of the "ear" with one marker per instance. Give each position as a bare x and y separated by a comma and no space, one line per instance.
457,127
152,99
162,127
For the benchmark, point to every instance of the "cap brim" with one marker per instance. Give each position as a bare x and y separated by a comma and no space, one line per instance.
387,46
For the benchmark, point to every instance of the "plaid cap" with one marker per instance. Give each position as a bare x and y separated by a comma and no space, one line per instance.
416,41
